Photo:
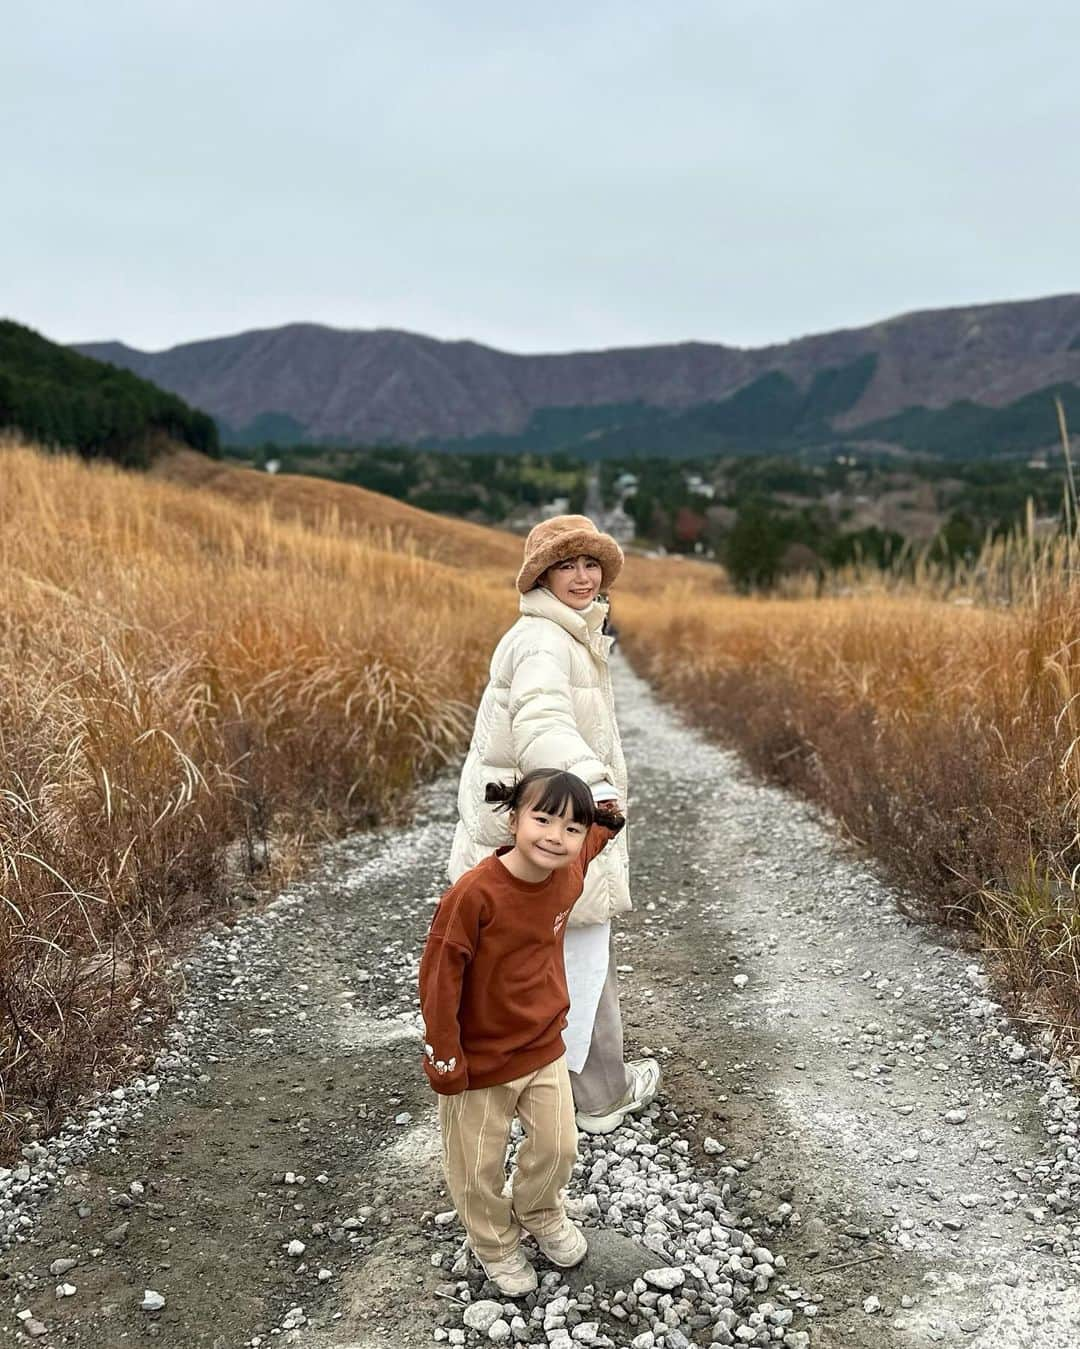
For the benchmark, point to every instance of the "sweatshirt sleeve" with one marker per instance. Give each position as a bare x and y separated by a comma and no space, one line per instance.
448,951
543,725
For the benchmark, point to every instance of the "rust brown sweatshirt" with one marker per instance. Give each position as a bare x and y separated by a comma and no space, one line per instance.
492,983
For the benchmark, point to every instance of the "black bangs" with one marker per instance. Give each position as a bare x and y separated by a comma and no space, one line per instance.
549,791
551,794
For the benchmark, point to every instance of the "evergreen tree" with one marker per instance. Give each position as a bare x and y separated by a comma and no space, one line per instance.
754,547
69,401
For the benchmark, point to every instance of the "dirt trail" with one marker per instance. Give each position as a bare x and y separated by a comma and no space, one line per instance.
802,1022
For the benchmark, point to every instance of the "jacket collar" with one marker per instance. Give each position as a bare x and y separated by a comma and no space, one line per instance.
584,625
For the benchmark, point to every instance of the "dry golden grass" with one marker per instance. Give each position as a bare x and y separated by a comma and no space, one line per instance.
320,503
937,716
198,667
213,655
342,508
179,671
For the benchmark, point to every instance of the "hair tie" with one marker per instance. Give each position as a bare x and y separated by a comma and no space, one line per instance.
498,792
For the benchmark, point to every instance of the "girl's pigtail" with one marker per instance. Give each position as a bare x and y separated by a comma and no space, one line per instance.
499,794
609,818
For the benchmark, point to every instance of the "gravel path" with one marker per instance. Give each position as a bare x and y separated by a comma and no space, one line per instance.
851,1147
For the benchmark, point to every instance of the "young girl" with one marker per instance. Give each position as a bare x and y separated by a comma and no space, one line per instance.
494,1001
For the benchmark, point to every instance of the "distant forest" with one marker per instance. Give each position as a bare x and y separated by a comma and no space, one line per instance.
768,416
771,416
61,399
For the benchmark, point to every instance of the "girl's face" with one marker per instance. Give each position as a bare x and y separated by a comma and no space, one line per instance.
575,581
546,842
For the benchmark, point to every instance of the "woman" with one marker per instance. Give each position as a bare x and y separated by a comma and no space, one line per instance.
549,704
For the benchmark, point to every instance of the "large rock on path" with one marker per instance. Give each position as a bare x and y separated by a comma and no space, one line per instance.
614,1261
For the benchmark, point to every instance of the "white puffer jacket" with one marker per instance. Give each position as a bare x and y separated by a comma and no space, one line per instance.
548,704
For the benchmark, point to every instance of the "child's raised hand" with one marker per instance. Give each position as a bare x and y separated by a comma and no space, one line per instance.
608,813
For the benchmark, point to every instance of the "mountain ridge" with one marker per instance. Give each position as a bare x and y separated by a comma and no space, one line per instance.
390,384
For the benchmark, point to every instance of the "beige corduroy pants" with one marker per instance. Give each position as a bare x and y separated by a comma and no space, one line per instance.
475,1131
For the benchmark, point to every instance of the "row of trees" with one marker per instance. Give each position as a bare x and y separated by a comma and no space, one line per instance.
487,488
762,544
61,398
761,516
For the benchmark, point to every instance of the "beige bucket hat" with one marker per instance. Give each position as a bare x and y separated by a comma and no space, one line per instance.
566,536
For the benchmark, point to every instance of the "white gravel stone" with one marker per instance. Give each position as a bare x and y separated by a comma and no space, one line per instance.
665,1277
801,915
482,1315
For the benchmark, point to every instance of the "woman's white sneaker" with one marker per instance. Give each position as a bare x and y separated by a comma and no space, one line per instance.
513,1276
566,1246
644,1084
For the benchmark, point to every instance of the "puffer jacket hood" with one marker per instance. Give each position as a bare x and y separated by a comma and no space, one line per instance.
548,704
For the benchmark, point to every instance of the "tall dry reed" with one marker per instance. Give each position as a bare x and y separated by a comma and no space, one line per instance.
179,672
937,716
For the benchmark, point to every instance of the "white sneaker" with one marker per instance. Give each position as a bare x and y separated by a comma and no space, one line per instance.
644,1084
513,1276
565,1247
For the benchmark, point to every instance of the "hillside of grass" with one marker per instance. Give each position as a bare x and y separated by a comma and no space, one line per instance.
201,668
388,523
63,400
191,683
354,510
935,714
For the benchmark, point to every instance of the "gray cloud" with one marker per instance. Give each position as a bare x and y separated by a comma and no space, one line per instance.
542,177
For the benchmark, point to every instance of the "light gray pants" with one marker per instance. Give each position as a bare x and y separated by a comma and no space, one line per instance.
604,1081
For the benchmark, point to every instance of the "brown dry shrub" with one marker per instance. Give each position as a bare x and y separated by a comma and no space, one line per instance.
945,737
178,672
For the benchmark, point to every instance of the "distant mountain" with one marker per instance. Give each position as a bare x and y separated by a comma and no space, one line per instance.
304,382
61,398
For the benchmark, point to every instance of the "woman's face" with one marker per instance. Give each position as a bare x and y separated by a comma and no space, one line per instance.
575,581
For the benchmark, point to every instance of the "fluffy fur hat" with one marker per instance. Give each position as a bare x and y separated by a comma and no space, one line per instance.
566,536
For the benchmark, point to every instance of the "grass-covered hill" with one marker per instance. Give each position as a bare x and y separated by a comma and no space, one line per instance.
319,504
315,502
64,400
203,666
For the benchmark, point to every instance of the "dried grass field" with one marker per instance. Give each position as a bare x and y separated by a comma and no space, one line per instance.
205,667
937,717
199,670
185,679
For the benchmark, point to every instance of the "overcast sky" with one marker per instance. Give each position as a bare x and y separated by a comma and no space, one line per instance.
538,176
